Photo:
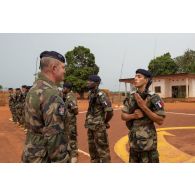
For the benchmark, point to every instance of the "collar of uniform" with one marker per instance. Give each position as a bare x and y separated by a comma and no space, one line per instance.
94,91
133,91
70,92
44,78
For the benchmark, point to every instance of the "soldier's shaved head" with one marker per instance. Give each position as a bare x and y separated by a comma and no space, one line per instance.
46,62
53,69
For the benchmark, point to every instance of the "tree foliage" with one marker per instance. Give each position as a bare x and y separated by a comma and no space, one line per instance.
163,65
80,64
186,62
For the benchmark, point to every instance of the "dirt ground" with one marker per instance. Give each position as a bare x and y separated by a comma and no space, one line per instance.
12,137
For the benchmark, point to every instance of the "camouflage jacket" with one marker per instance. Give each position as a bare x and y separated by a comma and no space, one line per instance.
99,104
11,100
44,108
70,102
18,101
142,132
23,98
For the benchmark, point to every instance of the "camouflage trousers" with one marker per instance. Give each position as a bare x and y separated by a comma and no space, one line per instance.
98,145
12,113
50,149
23,118
14,116
143,156
73,143
19,115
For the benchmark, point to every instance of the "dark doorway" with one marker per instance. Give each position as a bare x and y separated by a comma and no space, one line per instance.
179,91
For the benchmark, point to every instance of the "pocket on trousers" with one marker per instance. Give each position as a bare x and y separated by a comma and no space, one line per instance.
144,140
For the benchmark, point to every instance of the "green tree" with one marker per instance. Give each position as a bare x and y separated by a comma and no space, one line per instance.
1,87
80,64
163,65
186,62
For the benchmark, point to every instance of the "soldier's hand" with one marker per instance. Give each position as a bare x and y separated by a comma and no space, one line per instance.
138,114
140,102
107,125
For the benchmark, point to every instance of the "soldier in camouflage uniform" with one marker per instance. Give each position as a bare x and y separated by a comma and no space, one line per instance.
15,119
98,115
18,105
11,102
71,104
141,110
45,113
23,97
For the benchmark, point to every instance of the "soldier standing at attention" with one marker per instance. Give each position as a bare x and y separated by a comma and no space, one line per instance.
45,113
17,106
11,102
141,110
14,111
23,97
98,115
71,104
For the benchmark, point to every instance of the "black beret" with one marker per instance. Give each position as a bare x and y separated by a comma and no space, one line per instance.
144,72
10,88
94,78
28,87
24,86
17,89
67,85
53,54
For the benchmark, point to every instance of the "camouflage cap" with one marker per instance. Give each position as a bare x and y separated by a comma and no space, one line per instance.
53,54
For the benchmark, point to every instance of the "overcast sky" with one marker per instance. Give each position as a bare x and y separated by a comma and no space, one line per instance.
18,53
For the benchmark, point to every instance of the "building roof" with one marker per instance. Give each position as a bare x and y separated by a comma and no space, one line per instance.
170,76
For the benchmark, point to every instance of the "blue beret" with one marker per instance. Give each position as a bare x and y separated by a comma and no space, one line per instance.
94,78
53,54
67,85
144,72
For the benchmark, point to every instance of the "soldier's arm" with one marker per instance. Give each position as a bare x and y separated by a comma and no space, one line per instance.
54,114
125,115
155,116
72,103
107,106
109,116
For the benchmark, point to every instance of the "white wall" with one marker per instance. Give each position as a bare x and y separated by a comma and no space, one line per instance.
192,88
166,86
158,83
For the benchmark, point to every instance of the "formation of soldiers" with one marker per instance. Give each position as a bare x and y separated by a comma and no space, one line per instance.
16,104
51,116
